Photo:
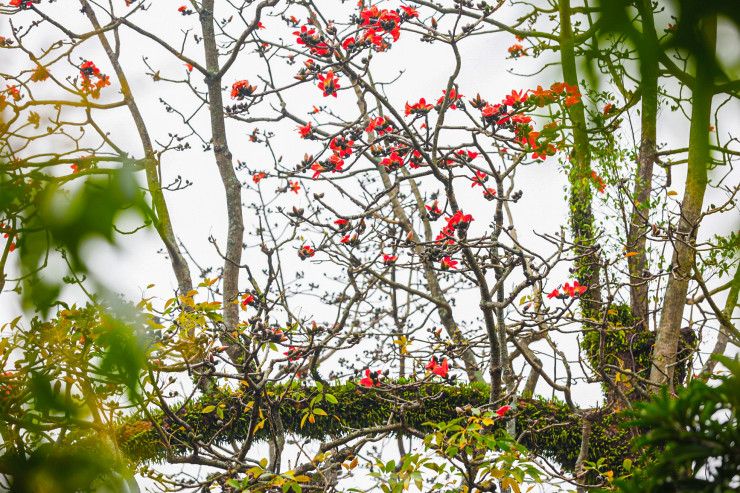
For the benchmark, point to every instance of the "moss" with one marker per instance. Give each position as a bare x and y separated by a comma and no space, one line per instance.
630,349
551,429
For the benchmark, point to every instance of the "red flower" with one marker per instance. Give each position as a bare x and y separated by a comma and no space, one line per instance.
40,74
434,211
294,186
309,38
454,98
447,263
189,67
523,119
380,125
352,242
306,131
502,410
248,300
349,43
489,193
329,84
599,182
608,108
293,354
257,177
306,252
341,145
575,290
408,12
459,221
371,378
438,369
420,108
389,259
554,294
392,162
333,164
541,96
242,89
515,98
479,179
516,51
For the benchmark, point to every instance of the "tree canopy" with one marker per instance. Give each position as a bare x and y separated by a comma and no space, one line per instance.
392,245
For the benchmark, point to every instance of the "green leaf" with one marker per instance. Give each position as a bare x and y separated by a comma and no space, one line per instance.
208,409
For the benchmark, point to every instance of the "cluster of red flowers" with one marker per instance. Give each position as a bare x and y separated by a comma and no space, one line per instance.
371,378
379,125
598,181
293,353
568,290
420,108
379,22
14,93
5,387
433,211
333,164
342,145
306,252
40,74
440,369
242,89
23,4
312,40
89,86
7,234
516,51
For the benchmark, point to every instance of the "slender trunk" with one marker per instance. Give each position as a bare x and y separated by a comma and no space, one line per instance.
232,186
667,338
162,221
636,239
582,220
724,331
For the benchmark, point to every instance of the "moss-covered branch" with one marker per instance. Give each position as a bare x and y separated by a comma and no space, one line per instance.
548,428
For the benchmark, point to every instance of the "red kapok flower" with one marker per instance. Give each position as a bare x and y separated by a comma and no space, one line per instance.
306,252
420,108
389,259
434,211
40,74
371,378
248,300
502,410
515,98
257,177
342,224
242,89
575,290
554,294
305,131
294,186
447,263
329,84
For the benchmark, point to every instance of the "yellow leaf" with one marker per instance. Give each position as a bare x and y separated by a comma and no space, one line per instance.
672,192
631,254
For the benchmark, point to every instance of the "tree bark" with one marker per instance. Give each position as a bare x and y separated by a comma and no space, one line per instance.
667,338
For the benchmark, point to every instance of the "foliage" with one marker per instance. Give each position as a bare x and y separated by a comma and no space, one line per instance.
692,442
